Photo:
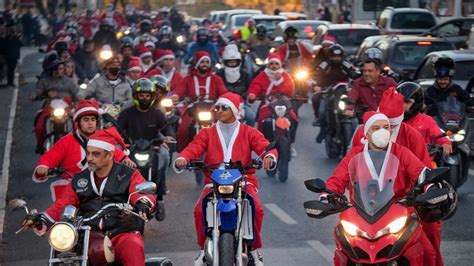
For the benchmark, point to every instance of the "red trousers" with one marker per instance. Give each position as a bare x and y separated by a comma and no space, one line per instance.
199,218
129,249
433,233
40,126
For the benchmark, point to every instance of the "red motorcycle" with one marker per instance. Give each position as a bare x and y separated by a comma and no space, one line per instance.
373,229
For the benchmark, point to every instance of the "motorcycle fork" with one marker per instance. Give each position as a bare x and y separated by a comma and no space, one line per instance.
84,258
215,234
239,251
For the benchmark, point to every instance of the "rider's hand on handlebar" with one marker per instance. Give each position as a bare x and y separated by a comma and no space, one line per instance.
41,172
129,163
142,209
180,163
317,89
169,139
447,149
32,221
268,163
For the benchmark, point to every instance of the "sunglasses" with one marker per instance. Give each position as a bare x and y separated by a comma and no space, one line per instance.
223,107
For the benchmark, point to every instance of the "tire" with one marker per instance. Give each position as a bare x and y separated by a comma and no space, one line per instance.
284,157
346,137
226,249
332,148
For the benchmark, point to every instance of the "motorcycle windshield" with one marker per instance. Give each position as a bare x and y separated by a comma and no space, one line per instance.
372,176
261,51
451,109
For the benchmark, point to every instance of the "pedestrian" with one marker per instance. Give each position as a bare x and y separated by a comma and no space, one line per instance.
12,44
27,23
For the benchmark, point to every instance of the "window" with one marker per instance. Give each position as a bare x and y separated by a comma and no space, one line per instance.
464,69
352,37
240,21
269,23
451,29
412,53
379,5
413,20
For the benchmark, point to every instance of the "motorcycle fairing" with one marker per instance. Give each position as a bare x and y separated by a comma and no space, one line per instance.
225,176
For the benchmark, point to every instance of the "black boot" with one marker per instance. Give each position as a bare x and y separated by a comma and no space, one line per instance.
160,211
321,136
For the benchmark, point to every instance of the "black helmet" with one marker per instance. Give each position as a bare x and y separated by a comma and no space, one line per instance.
261,30
290,32
107,23
126,42
202,35
444,67
336,49
160,82
411,91
165,30
442,210
145,26
143,85
373,54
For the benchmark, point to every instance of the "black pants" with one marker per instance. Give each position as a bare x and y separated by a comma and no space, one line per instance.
11,65
316,100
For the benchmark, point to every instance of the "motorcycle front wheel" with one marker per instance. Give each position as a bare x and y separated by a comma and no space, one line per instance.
226,249
332,148
284,158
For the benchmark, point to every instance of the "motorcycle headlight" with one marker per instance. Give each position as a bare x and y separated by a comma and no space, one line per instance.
225,189
393,227
350,228
302,74
105,54
119,34
127,31
259,61
180,39
59,112
218,66
142,156
205,116
83,86
62,237
342,105
167,103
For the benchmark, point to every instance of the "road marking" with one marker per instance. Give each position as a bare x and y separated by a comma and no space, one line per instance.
471,171
325,252
6,159
281,214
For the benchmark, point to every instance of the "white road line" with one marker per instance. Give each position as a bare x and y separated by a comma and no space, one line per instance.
471,172
281,214
325,252
6,159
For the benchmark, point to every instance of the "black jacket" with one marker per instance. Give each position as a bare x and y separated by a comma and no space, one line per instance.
240,87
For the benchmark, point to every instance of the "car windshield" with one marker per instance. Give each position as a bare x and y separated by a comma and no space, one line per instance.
306,30
240,21
413,20
464,71
352,37
269,23
412,53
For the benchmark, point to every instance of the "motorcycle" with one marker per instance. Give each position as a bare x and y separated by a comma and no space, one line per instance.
339,127
171,113
278,127
228,213
59,122
374,229
256,60
72,240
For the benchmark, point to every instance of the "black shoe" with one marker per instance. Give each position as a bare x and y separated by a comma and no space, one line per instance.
320,138
316,123
160,211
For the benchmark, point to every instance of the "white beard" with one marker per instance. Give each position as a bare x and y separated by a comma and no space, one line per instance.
232,74
271,73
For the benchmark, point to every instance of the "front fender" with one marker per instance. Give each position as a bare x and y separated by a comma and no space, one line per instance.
228,214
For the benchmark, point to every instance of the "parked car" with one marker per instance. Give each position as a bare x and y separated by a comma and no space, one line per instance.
293,15
364,11
403,53
306,29
470,39
464,60
215,17
236,23
226,17
269,21
455,30
405,20
350,36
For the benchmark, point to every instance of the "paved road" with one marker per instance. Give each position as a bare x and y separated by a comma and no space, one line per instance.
290,237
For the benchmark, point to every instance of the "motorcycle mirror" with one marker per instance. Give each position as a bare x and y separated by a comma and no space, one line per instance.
437,175
317,209
146,188
315,185
16,204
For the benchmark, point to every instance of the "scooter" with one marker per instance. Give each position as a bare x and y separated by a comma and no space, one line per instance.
72,240
373,229
228,213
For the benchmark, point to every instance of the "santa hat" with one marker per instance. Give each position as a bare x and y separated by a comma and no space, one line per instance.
86,107
328,39
370,117
274,57
392,106
232,100
149,44
107,139
162,55
143,51
201,55
134,65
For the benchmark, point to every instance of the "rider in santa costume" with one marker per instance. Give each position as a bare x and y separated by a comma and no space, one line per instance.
228,140
201,83
376,153
69,152
165,61
392,106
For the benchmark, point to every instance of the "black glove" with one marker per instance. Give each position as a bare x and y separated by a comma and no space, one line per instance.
142,207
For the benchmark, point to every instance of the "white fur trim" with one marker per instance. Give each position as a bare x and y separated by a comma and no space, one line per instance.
85,109
226,101
372,119
168,56
173,165
135,68
100,144
146,200
200,60
396,120
227,150
278,82
57,183
274,60
42,231
94,187
274,159
35,178
145,54
149,44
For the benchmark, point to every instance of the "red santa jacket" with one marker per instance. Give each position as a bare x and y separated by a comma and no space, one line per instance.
407,173
428,129
210,141
262,85
175,80
304,51
407,137
208,87
70,197
69,155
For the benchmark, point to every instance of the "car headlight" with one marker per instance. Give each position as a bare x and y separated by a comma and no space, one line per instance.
83,86
167,103
106,54
204,116
142,156
350,228
59,112
62,237
180,39
225,189
302,74
342,105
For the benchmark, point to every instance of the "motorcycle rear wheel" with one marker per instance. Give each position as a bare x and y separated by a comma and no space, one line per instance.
226,249
332,149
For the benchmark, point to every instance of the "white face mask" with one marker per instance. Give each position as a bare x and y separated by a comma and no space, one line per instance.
232,74
380,138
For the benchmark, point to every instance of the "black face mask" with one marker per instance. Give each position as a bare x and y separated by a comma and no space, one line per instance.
114,71
144,104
